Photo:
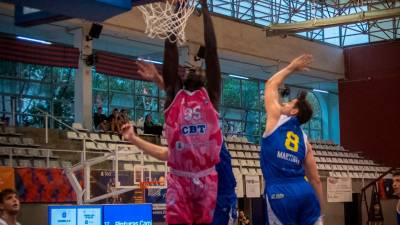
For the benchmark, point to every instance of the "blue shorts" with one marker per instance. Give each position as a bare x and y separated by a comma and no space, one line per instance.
292,203
225,211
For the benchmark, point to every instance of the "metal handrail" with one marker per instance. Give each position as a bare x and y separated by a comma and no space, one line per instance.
371,184
46,114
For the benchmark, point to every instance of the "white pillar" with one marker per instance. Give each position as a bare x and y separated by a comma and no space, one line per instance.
83,79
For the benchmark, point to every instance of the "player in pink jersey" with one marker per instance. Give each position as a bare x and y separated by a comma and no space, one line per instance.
193,133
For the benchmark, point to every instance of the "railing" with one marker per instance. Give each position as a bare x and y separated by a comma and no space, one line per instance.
372,184
83,195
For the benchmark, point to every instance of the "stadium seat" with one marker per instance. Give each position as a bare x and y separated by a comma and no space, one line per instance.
72,135
54,164
79,127
83,135
112,146
15,140
94,136
5,151
115,138
240,154
128,166
39,163
236,170
102,146
19,152
105,137
66,164
24,163
29,141
252,171
244,171
91,145
33,152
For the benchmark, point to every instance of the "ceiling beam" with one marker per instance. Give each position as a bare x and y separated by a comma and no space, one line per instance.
290,28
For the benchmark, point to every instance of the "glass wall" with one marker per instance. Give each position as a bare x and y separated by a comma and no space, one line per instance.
139,98
28,88
25,89
314,127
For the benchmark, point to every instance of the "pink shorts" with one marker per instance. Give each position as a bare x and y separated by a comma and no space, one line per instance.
190,200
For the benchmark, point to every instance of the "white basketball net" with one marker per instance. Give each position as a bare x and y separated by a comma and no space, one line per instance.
163,20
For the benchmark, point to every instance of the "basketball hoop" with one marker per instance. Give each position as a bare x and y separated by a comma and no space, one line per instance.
167,19
148,184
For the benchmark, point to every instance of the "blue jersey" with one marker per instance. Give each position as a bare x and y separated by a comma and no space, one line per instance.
283,151
225,210
226,179
289,198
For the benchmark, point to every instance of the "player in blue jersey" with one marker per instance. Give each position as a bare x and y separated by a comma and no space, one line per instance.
396,191
286,156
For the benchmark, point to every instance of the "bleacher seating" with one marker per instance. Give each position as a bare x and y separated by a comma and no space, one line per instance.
331,159
16,150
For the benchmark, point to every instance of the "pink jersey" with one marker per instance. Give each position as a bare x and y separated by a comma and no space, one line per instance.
193,132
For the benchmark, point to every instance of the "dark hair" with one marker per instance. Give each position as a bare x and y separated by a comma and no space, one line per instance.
305,110
6,192
396,173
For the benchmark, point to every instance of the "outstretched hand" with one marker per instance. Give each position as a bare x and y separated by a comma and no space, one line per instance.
128,133
148,71
301,63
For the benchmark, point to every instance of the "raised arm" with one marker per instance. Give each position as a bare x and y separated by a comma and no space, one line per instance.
271,94
213,70
311,170
149,72
172,81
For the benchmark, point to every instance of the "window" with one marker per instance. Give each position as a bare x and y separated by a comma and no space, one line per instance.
313,128
139,98
26,89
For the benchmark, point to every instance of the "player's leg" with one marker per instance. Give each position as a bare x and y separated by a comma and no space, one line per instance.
204,197
178,210
310,211
281,205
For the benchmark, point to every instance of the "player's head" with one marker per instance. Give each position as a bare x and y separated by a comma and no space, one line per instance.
148,118
194,78
161,180
9,201
298,107
396,183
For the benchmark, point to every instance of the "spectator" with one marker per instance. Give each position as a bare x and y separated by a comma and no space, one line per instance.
243,220
100,120
151,128
9,207
123,118
113,119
